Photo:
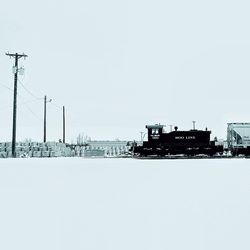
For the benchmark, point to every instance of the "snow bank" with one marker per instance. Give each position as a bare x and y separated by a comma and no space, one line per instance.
124,204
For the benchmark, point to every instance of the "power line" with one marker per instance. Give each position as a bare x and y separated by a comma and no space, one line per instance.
38,98
24,103
20,103
6,87
12,90
33,113
56,106
29,91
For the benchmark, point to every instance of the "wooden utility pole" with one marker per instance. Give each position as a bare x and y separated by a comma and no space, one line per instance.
63,124
15,70
44,119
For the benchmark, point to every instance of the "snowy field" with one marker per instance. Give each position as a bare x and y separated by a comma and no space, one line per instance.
124,204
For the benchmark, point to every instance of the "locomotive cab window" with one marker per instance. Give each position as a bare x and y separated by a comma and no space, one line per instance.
155,131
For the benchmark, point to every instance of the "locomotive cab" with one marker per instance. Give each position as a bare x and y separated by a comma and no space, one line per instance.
154,132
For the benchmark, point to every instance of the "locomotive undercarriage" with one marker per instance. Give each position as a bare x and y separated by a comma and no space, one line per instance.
168,151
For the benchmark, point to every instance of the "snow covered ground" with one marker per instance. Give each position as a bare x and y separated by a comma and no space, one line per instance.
124,204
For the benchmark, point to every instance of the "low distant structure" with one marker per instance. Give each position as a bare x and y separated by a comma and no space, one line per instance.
102,149
35,149
59,149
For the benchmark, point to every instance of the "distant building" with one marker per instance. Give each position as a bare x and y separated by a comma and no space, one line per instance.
109,148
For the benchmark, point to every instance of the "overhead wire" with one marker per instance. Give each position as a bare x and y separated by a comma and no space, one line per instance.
56,106
33,113
27,90
38,98
25,103
6,87
20,103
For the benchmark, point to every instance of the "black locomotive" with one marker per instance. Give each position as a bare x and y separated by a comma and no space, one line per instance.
188,143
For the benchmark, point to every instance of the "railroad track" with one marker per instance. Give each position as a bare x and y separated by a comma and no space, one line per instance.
182,157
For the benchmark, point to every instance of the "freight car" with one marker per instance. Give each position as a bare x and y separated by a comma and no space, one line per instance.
189,143
238,138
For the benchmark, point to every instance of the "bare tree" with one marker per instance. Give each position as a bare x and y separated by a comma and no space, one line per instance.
82,139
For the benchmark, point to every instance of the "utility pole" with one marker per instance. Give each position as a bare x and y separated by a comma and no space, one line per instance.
63,124
45,117
17,57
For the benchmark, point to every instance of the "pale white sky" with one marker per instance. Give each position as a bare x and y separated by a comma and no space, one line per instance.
118,65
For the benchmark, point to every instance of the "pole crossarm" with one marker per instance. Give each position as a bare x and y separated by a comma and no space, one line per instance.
16,55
